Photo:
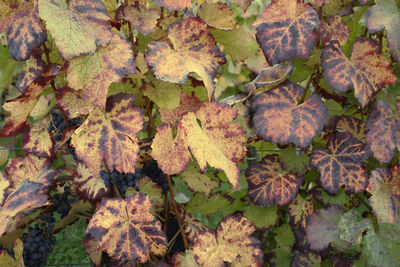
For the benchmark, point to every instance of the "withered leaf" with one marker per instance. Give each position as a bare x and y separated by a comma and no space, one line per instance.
89,185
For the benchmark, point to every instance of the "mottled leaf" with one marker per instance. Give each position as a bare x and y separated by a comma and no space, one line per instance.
279,117
192,225
142,19
93,74
367,71
78,209
187,104
218,15
382,132
32,70
37,140
335,30
91,248
384,200
232,241
150,188
110,136
77,27
350,229
196,181
286,30
262,217
342,165
300,209
269,184
136,233
305,259
194,50
24,33
16,260
73,103
165,95
174,4
4,184
184,259
385,15
352,125
89,185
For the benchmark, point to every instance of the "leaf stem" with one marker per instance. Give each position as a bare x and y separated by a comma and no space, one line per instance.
178,218
149,110
131,38
364,202
303,97
47,54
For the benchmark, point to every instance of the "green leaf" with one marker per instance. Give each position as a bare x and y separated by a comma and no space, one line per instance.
294,162
261,216
164,94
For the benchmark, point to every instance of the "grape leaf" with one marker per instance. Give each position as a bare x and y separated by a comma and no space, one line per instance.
382,132
136,233
192,226
89,185
286,30
142,19
174,4
269,184
367,70
385,15
13,261
110,136
91,248
231,242
77,26
293,162
34,66
279,118
305,259
150,188
194,50
207,204
187,104
165,95
184,259
36,139
9,9
5,183
352,125
93,74
343,165
335,30
262,217
300,209
196,181
385,200
217,15
8,66
73,103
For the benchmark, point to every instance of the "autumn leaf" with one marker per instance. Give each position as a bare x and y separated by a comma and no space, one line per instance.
286,30
352,125
13,261
36,139
4,185
91,248
77,27
142,19
136,233
217,15
385,15
165,95
231,242
192,225
335,30
110,136
342,165
306,258
89,185
300,209
382,132
174,4
385,200
185,259
34,66
196,181
73,103
367,71
279,117
187,104
269,184
150,188
93,74
194,50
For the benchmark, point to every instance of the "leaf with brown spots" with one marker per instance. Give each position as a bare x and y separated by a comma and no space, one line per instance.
385,15
34,66
136,233
142,19
13,261
187,104
5,183
93,74
24,33
305,259
18,109
77,27
217,15
279,117
352,125
196,181
185,259
89,185
286,30
337,29
110,136
231,242
194,50
9,9
29,195
192,225
174,4
385,200
382,132
269,184
146,186
367,71
91,248
300,209
36,139
73,103
343,164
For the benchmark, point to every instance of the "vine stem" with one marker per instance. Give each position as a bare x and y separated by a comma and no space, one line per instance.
166,213
47,54
131,38
303,97
149,110
178,217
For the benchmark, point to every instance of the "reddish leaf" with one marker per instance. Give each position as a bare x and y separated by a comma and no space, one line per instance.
89,185
194,50
91,248
24,33
73,103
5,183
174,4
385,15
342,165
231,243
286,30
9,9
187,104
142,19
217,15
352,125
37,140
34,66
336,30
110,136
192,226
367,71
269,184
136,233
382,132
279,118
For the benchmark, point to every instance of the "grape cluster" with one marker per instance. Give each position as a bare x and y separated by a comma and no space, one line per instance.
121,180
62,202
151,170
38,242
58,123
172,229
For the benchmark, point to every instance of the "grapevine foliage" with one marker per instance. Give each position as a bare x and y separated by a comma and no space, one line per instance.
201,133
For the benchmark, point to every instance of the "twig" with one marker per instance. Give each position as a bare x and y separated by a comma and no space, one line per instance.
166,213
131,38
303,97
